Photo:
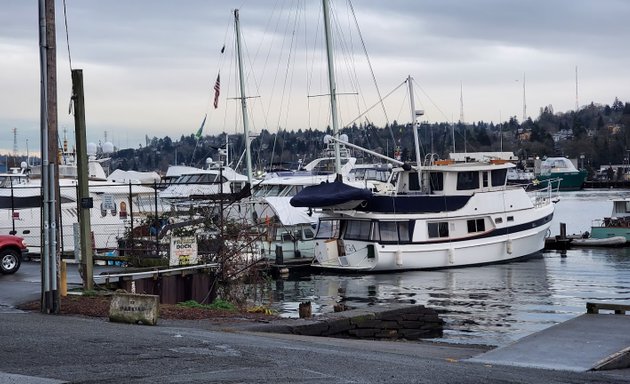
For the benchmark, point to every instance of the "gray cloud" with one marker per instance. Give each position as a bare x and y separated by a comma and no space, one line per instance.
150,66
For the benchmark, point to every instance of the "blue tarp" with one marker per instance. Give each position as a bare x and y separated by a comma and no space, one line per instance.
328,195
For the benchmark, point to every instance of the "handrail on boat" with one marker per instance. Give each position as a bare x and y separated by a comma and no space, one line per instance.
546,195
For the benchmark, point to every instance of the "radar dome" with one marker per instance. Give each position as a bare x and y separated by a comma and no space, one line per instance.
91,149
327,139
209,161
343,138
108,147
23,165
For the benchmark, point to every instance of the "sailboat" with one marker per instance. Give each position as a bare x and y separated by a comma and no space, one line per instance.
290,230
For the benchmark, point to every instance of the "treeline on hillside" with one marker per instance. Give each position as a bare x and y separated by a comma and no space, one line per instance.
599,133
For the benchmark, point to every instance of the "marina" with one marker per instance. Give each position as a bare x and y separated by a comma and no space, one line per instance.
493,304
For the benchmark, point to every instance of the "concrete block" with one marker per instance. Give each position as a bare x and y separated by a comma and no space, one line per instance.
134,308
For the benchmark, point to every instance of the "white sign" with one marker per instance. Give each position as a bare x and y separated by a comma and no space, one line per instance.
108,202
183,251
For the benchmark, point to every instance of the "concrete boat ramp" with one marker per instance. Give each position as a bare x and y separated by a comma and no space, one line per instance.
592,341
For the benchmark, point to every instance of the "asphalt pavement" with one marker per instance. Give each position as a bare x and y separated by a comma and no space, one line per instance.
38,348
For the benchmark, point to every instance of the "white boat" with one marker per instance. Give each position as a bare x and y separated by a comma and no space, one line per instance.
203,184
439,214
114,204
448,215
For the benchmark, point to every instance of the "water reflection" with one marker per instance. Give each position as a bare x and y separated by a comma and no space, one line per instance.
493,304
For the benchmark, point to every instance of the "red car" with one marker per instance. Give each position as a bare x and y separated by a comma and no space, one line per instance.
11,250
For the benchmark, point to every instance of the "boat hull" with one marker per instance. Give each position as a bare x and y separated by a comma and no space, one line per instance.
569,181
608,232
375,257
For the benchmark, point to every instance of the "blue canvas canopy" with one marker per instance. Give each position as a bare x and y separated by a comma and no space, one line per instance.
328,195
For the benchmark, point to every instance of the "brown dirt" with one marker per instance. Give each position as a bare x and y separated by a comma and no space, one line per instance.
98,306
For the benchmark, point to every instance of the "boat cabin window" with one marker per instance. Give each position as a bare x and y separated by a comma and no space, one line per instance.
485,179
273,190
498,177
414,183
328,229
392,231
307,234
437,181
477,225
467,180
356,230
438,229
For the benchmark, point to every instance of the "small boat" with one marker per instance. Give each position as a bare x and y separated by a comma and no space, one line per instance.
617,224
614,241
562,169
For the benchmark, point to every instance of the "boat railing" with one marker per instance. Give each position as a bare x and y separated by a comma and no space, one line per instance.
545,195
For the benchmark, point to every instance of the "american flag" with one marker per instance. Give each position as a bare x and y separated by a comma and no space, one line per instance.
217,89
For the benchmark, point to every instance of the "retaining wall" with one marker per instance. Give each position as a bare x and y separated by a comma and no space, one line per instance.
409,322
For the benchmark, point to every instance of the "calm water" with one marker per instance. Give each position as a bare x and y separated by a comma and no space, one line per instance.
493,304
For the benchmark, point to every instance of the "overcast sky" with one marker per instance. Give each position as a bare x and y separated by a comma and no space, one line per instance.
149,66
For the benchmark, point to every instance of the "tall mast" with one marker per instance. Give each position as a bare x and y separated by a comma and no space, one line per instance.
414,125
414,122
331,83
248,155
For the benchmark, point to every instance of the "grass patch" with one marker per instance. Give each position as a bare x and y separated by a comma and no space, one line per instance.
217,304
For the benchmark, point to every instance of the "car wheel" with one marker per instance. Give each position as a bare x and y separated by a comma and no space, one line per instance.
9,261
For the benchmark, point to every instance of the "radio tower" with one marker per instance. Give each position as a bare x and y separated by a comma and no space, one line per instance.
577,105
461,103
14,145
524,103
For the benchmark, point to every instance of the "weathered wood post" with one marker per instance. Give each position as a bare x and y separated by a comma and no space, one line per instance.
305,310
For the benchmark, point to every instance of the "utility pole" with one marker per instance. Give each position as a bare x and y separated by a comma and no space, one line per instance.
50,301
84,201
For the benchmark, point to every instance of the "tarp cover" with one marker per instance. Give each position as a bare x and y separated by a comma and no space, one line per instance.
329,195
287,214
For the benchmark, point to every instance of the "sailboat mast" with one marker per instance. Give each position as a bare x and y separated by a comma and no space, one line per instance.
414,122
331,83
414,126
248,155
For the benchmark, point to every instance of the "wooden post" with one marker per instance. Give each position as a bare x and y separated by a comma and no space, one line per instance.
63,280
563,231
305,310
84,202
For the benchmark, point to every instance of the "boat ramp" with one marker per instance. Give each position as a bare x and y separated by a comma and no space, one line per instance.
592,341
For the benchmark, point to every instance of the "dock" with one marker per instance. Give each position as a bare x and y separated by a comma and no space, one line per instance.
592,341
